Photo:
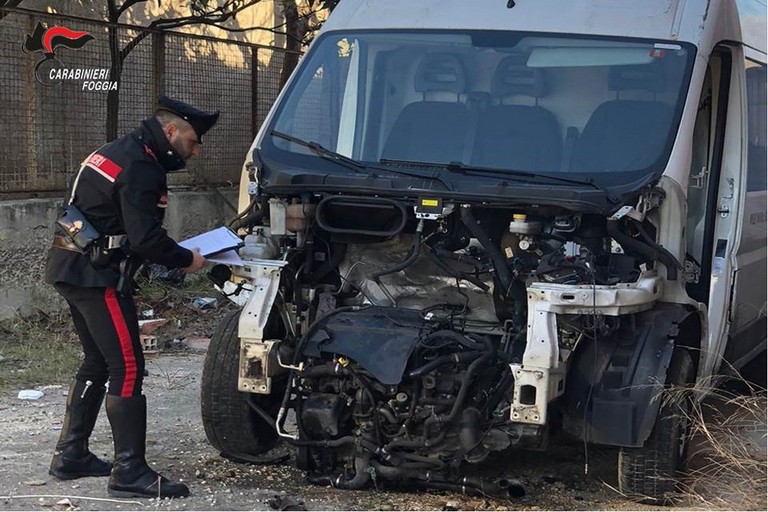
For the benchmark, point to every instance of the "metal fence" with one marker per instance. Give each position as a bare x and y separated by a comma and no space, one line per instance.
51,128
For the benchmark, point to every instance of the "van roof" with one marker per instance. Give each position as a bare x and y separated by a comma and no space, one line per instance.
652,19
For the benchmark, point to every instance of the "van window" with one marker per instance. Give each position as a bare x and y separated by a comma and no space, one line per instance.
315,115
757,174
504,100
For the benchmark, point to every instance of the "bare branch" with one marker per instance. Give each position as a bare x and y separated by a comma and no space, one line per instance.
127,5
133,43
8,3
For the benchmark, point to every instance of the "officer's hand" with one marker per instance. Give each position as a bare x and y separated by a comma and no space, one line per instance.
198,262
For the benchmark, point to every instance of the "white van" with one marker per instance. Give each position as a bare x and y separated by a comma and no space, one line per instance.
472,225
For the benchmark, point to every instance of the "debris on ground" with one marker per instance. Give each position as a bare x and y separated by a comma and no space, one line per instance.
258,460
286,503
149,345
65,504
150,325
163,274
30,394
197,343
204,303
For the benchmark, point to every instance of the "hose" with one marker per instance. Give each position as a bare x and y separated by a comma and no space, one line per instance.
407,262
650,252
664,255
253,214
469,436
464,389
505,488
456,357
459,275
341,481
458,338
476,230
510,287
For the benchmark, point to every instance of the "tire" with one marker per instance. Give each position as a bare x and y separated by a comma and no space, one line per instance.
231,426
649,473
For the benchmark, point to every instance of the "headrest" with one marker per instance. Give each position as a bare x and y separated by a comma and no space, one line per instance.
440,72
648,77
512,76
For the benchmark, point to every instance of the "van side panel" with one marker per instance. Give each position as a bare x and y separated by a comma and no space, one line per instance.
748,310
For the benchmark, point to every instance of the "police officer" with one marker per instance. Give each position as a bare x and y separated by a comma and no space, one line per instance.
121,190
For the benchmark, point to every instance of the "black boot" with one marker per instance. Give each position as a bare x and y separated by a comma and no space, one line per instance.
72,459
131,476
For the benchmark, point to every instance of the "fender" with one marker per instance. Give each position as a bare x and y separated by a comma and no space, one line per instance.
615,384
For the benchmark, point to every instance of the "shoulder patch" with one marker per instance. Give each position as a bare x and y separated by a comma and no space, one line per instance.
104,166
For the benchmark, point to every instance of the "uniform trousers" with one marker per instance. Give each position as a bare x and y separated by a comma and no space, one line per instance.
108,328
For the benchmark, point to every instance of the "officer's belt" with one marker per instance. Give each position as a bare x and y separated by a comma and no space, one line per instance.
108,242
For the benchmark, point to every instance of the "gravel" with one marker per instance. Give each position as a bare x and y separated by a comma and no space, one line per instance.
177,447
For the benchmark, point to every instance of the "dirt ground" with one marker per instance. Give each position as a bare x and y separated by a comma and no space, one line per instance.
178,448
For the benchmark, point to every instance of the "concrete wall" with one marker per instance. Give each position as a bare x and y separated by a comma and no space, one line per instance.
26,231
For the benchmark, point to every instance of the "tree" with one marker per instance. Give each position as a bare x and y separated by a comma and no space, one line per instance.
301,24
8,3
202,12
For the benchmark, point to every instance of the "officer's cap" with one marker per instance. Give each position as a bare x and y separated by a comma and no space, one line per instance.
200,121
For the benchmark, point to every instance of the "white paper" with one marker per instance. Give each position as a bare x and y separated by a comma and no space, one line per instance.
227,258
214,241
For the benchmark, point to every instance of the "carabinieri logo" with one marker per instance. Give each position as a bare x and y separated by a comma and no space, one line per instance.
51,71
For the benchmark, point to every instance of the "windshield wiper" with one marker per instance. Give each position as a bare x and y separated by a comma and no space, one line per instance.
466,169
321,151
351,163
433,177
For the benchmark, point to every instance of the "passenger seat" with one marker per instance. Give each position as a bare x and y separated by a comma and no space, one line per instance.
429,130
625,135
521,137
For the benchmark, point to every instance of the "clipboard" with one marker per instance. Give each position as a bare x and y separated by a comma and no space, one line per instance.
213,242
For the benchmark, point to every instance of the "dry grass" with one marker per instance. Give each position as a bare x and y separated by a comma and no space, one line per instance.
44,349
38,350
727,466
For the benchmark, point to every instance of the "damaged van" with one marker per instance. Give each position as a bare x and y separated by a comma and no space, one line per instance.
470,226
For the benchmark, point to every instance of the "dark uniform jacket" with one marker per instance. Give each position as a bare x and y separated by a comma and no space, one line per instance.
123,190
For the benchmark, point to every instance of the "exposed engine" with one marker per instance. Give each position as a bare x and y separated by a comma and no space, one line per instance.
403,328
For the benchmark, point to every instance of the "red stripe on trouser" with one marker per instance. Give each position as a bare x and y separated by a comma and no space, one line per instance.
126,345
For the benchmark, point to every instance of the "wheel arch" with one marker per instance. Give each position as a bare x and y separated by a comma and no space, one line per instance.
614,386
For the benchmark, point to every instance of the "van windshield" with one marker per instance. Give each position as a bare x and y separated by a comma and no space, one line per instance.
606,107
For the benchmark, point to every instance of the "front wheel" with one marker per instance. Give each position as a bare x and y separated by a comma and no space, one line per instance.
650,473
231,425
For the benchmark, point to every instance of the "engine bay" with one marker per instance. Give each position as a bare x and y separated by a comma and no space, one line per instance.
406,337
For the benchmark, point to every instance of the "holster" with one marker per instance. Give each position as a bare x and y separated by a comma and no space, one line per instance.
128,268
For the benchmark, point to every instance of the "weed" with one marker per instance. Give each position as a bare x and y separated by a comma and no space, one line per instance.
727,466
38,350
